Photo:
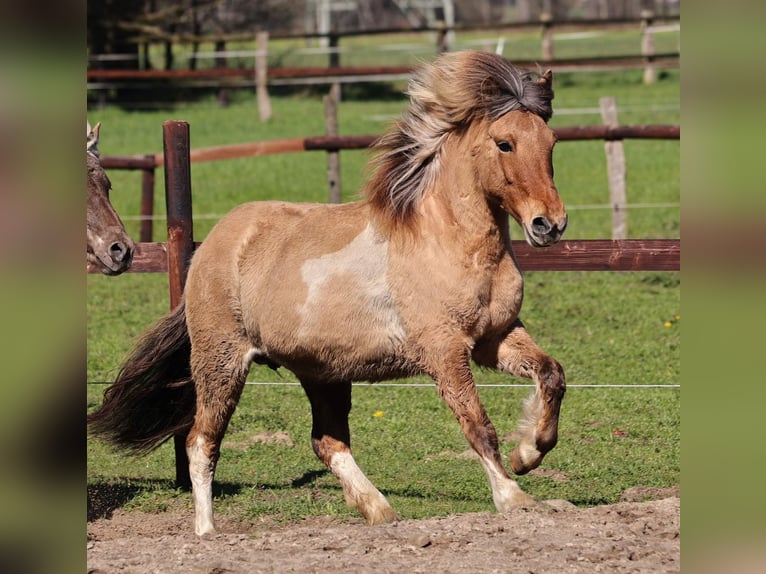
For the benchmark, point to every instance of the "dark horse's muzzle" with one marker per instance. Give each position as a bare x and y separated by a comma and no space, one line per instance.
542,232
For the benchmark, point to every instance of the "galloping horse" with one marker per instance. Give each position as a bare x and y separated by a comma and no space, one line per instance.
418,277
110,249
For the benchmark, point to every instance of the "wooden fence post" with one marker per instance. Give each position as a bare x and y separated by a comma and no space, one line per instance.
647,46
615,165
334,51
262,75
331,128
220,63
442,38
546,19
176,147
147,201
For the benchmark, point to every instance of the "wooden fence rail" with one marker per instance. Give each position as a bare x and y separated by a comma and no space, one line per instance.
572,255
444,34
334,143
331,143
648,19
584,255
261,76
283,75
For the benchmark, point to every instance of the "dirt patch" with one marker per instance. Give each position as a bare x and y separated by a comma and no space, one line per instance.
558,537
642,493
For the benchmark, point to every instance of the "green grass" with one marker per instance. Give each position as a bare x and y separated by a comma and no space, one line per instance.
605,328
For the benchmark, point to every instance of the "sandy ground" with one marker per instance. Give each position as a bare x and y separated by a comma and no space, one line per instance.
628,536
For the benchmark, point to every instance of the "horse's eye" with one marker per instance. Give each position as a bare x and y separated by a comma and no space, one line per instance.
504,146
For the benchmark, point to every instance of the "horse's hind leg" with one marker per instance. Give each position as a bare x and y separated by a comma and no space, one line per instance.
219,370
519,355
331,440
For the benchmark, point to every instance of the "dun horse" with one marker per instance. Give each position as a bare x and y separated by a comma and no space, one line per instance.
418,277
110,249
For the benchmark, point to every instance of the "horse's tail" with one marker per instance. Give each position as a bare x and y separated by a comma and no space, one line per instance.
153,397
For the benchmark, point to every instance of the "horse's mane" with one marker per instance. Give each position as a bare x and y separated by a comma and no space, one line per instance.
446,95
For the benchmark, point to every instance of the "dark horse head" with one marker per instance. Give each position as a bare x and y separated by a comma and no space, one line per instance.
110,249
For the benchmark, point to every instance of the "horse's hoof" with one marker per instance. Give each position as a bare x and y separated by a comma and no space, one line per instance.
382,516
525,501
523,463
205,530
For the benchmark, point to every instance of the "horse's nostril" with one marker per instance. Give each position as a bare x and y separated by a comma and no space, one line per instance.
541,225
119,251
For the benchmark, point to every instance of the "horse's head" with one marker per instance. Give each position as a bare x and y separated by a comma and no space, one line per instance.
110,249
504,114
515,169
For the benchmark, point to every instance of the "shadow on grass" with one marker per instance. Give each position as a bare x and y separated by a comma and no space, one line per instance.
308,478
105,497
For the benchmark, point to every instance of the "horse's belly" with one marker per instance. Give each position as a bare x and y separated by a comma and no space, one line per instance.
339,368
344,329
347,347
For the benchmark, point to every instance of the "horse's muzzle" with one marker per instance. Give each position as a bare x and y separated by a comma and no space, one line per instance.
116,259
541,232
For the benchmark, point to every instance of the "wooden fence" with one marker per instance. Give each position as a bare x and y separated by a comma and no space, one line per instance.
261,75
332,144
172,256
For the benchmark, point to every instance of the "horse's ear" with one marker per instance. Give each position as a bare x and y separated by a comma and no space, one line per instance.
92,141
547,78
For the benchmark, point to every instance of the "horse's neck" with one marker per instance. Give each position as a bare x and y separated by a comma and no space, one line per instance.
458,201
457,216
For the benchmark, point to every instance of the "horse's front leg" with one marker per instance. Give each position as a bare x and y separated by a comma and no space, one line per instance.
456,386
519,355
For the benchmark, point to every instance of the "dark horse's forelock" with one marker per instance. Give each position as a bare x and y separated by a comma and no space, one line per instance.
446,95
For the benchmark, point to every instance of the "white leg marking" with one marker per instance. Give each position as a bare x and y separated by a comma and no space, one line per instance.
527,446
359,492
528,451
506,493
201,475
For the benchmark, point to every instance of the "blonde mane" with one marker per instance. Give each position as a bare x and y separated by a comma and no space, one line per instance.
447,95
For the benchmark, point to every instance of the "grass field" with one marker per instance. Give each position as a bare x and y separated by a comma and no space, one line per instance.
605,328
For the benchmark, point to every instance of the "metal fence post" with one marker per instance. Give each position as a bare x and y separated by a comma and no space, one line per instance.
147,201
180,238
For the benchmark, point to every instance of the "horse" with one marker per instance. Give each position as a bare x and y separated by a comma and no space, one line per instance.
110,249
417,276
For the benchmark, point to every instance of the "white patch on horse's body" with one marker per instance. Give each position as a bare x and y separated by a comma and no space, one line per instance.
201,474
358,491
363,262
